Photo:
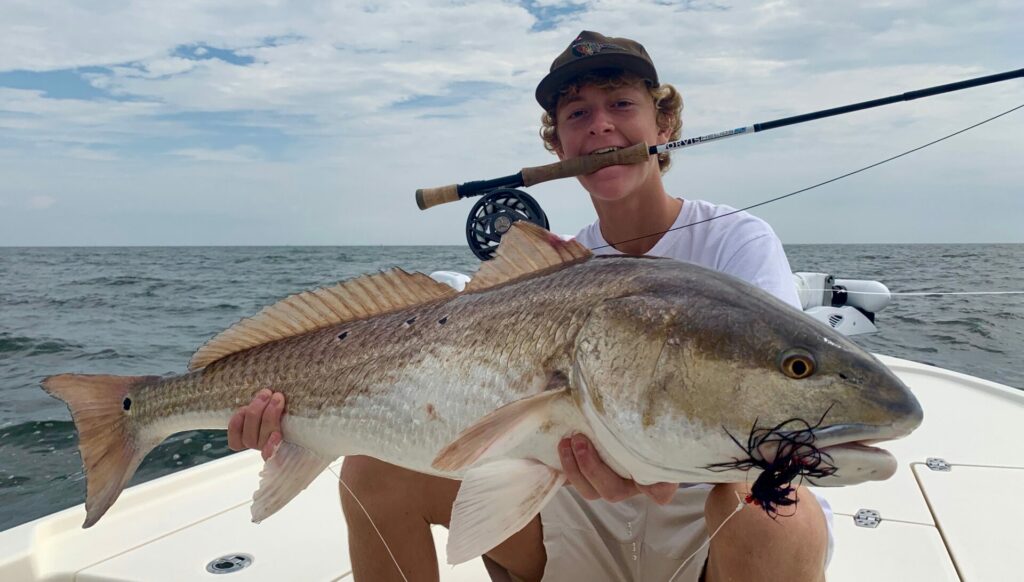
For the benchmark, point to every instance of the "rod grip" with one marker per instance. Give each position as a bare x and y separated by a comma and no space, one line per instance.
634,154
430,197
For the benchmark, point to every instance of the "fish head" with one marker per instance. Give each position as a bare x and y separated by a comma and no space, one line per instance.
690,380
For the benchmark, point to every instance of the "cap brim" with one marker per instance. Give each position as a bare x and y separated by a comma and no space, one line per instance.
547,90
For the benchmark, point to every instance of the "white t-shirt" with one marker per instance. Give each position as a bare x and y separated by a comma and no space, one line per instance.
722,239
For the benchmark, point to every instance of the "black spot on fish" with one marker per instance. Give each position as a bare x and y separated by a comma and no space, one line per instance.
343,335
443,320
410,321
127,403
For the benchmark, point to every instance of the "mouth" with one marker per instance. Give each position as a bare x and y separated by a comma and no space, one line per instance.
862,435
852,451
606,150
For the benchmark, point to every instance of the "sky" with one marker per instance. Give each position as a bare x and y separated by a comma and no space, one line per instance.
131,122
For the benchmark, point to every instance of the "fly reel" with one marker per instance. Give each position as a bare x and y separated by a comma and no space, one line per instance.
494,214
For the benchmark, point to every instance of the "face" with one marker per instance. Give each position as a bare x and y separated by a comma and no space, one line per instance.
595,119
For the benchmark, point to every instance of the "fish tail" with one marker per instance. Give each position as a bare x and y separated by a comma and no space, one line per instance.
110,445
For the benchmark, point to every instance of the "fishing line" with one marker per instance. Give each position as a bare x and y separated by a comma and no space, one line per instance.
919,293
367,514
837,178
739,507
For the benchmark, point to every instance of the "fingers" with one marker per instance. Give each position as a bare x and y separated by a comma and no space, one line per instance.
661,493
235,430
572,471
273,441
253,414
590,475
270,421
254,426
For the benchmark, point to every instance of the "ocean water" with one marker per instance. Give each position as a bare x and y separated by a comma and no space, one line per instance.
136,311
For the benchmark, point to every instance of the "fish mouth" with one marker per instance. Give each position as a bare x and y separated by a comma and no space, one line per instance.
863,435
850,449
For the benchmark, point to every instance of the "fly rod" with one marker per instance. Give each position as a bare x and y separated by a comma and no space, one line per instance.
429,197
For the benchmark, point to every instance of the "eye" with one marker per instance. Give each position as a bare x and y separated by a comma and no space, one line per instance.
575,114
623,103
797,364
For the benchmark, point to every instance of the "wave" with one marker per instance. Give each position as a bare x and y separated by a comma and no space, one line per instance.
29,346
119,280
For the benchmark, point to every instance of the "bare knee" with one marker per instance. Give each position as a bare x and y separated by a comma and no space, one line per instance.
394,491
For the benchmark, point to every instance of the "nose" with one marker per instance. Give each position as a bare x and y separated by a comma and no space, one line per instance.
600,122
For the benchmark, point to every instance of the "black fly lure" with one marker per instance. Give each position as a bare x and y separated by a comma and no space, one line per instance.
795,458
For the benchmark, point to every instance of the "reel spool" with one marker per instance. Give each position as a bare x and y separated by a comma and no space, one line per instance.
494,214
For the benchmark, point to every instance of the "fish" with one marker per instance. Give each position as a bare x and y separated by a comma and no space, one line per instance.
666,366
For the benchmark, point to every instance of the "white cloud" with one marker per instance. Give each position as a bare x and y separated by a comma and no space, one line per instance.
41,202
233,155
315,109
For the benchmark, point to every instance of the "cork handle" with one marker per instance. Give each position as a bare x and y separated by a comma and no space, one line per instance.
634,154
429,197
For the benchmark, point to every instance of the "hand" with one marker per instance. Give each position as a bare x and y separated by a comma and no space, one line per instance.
258,425
585,470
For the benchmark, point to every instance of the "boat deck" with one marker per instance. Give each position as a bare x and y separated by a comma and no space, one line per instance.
955,524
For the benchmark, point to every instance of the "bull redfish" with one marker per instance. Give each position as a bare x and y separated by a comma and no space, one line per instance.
662,364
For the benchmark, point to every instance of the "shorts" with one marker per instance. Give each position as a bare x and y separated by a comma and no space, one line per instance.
634,540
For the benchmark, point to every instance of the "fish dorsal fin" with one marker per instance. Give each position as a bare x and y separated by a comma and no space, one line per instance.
527,250
351,300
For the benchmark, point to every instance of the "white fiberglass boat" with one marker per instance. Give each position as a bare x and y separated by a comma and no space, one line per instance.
949,513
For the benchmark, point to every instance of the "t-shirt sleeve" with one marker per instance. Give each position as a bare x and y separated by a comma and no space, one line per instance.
762,262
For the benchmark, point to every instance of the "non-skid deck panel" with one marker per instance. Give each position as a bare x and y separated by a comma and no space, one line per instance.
891,552
960,411
306,540
979,513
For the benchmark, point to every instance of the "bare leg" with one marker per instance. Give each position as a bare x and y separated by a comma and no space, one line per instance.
752,546
403,504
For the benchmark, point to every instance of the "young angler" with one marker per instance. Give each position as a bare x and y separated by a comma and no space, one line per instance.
601,93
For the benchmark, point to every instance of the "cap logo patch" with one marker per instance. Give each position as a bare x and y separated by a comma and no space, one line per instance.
586,48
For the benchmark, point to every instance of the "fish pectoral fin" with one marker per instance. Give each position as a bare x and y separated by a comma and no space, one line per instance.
290,470
496,500
500,430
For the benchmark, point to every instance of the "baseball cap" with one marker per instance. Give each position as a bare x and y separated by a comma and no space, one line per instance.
593,50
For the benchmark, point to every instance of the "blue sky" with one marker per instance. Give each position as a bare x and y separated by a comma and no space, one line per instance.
131,123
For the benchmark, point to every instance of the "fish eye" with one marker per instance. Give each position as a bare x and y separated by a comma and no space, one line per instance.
797,364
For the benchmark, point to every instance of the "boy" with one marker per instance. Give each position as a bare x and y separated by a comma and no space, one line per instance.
601,93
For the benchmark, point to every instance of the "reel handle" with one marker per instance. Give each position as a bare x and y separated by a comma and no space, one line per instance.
634,154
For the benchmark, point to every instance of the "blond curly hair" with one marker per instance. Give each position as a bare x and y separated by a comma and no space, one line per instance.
667,102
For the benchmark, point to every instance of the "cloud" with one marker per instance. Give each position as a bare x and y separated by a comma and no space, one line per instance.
240,154
41,202
356,106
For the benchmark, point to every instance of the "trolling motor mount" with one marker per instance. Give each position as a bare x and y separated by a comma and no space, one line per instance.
494,214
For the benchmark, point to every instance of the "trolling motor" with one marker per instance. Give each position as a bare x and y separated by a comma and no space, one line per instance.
503,204
846,305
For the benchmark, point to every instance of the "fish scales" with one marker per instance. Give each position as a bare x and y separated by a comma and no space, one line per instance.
513,335
666,366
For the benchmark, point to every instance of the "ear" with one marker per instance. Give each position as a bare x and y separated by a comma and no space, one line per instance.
664,132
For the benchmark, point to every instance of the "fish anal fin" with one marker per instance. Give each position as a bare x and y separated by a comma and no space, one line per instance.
500,430
527,250
285,474
354,299
496,500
